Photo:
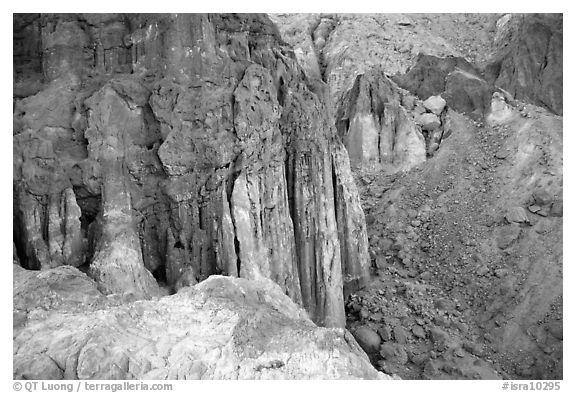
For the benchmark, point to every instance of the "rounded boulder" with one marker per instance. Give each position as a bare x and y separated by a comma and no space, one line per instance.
368,339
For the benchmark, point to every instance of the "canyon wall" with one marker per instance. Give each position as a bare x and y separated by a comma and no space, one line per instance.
176,147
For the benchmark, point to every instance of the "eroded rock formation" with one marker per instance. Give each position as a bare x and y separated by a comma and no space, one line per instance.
376,128
528,58
222,328
180,146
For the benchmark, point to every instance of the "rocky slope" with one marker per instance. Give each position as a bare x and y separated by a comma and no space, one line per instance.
173,147
468,254
461,182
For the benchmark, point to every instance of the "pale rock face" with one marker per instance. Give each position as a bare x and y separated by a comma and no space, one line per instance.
376,128
351,225
222,328
118,265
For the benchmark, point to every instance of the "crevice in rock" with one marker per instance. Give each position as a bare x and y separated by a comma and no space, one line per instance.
334,188
20,244
89,206
159,275
237,250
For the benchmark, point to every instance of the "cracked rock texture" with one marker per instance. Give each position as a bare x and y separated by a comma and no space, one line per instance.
168,148
376,128
528,59
222,328
156,154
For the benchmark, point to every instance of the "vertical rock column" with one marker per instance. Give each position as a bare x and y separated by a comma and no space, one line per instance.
311,190
351,224
260,200
117,266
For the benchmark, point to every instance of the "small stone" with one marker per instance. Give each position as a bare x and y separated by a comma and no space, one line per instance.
370,219
516,214
501,272
534,208
544,212
381,262
431,369
439,337
418,358
415,223
482,271
377,317
385,332
507,235
557,209
400,335
555,329
393,353
502,153
387,350
366,180
385,244
472,347
408,101
433,147
418,332
405,22
542,197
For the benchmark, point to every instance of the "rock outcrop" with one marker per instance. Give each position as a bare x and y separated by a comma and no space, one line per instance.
376,128
528,58
458,82
338,47
180,146
222,328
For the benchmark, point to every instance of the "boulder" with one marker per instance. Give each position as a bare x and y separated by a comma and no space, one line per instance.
467,93
368,339
427,76
435,104
429,121
222,328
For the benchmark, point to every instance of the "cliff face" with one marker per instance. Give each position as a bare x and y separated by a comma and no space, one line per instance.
528,58
176,147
